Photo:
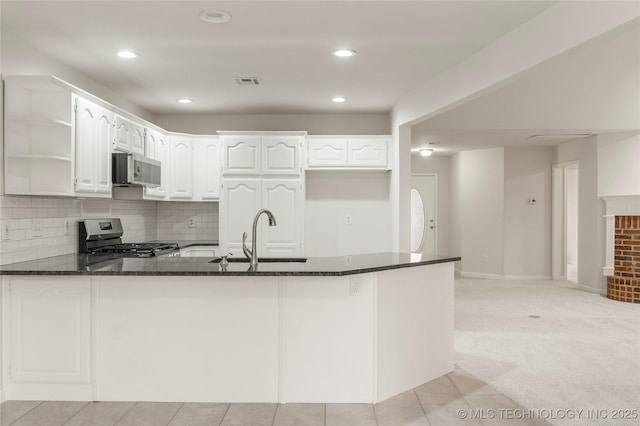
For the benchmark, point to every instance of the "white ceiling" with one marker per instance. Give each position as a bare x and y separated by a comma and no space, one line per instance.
400,45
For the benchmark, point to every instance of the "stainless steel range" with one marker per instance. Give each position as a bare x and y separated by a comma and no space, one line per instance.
103,236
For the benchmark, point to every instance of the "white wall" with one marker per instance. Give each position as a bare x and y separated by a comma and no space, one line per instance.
313,124
479,211
619,163
527,227
331,196
591,227
440,166
20,58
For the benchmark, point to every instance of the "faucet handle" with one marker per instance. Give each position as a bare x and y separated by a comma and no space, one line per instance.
245,250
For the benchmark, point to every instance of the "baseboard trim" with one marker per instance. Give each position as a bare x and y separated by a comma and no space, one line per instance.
481,275
600,291
528,277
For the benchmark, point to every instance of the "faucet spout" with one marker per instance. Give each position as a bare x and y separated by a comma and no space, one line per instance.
252,254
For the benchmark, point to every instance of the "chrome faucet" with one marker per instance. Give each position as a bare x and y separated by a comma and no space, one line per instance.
253,253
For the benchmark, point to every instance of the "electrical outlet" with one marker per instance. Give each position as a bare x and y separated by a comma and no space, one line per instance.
36,227
355,286
192,222
347,219
6,232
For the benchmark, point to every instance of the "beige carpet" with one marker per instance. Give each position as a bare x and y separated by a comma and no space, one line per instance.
582,353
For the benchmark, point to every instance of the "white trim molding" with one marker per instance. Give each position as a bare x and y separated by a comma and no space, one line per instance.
616,205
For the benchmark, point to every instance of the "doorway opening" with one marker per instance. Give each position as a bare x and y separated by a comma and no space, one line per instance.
423,213
565,221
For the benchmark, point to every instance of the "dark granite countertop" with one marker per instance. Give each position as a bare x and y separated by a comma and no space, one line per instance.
83,264
187,243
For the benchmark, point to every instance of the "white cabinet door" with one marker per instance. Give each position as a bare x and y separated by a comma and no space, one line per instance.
199,251
368,152
129,136
285,199
49,327
241,155
281,155
93,141
206,169
327,152
137,139
240,200
348,152
180,167
156,149
122,135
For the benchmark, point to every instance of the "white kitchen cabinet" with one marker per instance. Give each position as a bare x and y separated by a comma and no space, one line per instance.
281,155
94,126
242,154
256,154
262,170
285,199
348,152
206,168
240,200
180,185
156,149
39,128
198,251
49,316
326,152
129,136
243,198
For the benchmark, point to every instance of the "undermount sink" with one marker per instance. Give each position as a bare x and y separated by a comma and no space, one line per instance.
262,259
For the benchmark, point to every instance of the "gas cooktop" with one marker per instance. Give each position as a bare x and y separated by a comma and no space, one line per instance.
103,236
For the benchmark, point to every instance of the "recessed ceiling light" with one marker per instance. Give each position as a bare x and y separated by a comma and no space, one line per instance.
343,53
184,101
128,54
215,16
425,152
338,99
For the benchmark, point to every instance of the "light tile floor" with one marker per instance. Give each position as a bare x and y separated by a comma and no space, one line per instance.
454,399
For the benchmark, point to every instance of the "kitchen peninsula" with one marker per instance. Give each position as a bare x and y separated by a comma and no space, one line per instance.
358,328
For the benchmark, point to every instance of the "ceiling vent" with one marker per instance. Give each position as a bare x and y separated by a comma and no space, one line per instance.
248,81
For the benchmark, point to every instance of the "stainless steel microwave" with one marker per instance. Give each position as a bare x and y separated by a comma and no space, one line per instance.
134,170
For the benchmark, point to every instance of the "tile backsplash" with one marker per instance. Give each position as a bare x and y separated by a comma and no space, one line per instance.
37,227
187,221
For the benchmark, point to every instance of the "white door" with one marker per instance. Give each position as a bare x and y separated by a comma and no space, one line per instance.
93,138
281,155
206,169
423,214
564,249
241,155
240,200
283,198
180,172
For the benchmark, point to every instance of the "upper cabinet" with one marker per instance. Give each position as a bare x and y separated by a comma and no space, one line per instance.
57,142
348,152
180,185
241,155
255,154
206,168
129,136
281,155
94,127
39,126
156,149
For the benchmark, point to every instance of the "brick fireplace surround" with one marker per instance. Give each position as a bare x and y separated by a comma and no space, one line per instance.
624,285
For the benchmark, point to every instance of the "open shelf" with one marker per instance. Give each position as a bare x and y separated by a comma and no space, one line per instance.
39,132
